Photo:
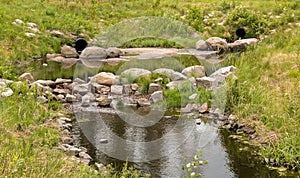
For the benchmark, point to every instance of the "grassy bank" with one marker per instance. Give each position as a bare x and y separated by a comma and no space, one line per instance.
266,94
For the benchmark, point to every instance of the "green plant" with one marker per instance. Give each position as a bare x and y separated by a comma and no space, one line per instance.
191,167
251,20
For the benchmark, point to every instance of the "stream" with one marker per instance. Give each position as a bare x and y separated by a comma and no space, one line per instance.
173,140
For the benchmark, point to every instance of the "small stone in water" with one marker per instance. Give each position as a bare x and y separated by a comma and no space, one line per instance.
198,121
103,140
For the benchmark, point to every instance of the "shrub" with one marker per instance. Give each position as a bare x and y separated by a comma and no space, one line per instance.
254,24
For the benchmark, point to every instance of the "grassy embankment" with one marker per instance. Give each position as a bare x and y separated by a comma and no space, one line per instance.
266,94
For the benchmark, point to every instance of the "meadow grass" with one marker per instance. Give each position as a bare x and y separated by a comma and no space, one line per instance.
266,94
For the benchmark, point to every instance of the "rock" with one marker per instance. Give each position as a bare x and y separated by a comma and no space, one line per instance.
70,98
248,130
134,87
69,52
18,21
204,108
134,73
67,140
100,166
29,34
85,101
206,82
156,96
57,33
31,24
116,89
72,151
174,84
27,77
158,80
42,99
196,71
143,102
61,91
52,56
190,108
198,121
49,83
193,96
171,74
218,44
5,92
113,52
61,81
153,87
93,52
105,78
241,45
203,46
127,90
104,100
103,140
223,73
60,97
81,89
84,155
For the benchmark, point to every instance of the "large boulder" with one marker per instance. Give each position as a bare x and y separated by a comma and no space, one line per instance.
93,56
135,73
171,74
241,45
196,71
218,44
105,78
69,52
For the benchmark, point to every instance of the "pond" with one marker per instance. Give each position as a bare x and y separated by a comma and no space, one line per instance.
226,157
161,148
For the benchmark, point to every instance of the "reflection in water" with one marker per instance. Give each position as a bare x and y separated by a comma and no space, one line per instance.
225,159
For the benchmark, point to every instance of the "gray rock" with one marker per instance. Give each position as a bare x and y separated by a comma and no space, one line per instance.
49,83
103,140
153,87
105,78
113,52
86,99
93,52
26,77
6,92
203,46
127,90
69,52
198,121
171,74
174,84
60,97
135,73
218,44
81,89
156,96
61,81
116,89
79,81
241,45
190,108
205,82
196,71
67,140
221,74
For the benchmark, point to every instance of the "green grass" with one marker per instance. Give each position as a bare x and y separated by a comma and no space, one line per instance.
266,93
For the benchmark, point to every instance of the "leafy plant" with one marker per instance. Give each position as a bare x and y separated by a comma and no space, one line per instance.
191,167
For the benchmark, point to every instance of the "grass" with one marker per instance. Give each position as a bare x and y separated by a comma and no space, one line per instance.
266,94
